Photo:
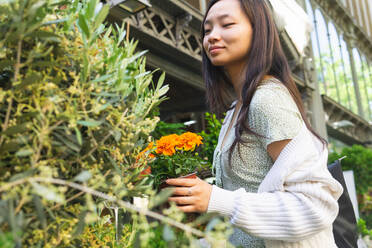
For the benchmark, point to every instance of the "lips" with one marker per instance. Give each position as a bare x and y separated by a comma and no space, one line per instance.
214,48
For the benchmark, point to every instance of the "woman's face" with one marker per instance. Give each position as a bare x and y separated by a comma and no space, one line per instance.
227,34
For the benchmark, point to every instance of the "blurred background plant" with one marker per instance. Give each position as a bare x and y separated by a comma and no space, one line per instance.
77,105
210,135
359,159
165,128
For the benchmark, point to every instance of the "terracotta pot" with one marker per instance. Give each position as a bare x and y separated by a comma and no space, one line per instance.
165,185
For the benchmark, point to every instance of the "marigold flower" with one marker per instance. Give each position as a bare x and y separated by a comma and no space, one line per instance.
166,144
146,171
189,140
141,154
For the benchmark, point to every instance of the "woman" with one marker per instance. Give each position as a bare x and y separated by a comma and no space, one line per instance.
271,174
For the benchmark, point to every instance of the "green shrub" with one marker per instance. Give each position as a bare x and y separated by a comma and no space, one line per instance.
210,135
359,159
164,128
75,103
76,107
363,230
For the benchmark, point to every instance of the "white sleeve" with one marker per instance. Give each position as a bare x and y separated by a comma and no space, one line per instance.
302,205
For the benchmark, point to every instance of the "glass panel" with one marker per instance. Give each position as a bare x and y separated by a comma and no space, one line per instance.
322,45
358,68
315,46
334,56
349,78
366,90
325,54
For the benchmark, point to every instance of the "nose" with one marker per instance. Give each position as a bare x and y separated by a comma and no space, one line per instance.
214,35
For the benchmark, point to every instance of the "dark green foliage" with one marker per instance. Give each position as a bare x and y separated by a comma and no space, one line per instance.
210,135
359,159
75,104
164,128
363,230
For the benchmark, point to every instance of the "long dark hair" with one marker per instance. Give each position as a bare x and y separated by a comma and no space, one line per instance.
266,57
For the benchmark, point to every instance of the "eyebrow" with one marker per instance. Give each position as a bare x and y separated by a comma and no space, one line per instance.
218,18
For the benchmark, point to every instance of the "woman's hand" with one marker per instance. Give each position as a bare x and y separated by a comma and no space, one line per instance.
190,195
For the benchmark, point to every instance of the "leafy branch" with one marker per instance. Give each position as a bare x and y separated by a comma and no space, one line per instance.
121,203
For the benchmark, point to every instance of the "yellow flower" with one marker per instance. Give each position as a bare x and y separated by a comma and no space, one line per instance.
188,141
166,144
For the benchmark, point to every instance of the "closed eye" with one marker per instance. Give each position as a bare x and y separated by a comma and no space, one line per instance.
228,24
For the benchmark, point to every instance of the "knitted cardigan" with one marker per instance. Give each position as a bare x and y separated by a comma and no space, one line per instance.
296,203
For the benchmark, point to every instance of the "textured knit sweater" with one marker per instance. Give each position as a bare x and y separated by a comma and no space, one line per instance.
296,202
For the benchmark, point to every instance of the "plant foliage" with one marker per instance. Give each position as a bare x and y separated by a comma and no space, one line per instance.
359,159
76,108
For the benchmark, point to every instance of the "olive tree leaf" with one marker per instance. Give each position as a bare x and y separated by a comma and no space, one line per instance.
160,198
101,16
40,210
84,25
47,193
83,176
90,123
24,152
168,233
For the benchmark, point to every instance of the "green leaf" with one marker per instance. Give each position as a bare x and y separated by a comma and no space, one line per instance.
90,9
163,90
204,218
168,234
136,56
212,224
17,129
11,146
90,123
81,224
47,193
113,162
102,78
22,175
57,21
78,136
67,142
6,63
29,80
40,210
160,81
101,16
24,152
45,35
160,198
83,25
83,176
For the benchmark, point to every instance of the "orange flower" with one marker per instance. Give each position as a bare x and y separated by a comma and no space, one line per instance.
166,144
141,154
188,141
146,171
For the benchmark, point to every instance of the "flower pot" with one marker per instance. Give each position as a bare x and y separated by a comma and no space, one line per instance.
165,185
189,216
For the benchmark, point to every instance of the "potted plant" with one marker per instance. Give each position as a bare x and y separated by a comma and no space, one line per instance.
173,156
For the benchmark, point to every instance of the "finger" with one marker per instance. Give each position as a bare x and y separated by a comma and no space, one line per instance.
181,191
182,200
187,209
182,182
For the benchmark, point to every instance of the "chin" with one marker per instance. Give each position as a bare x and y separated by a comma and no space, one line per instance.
217,62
